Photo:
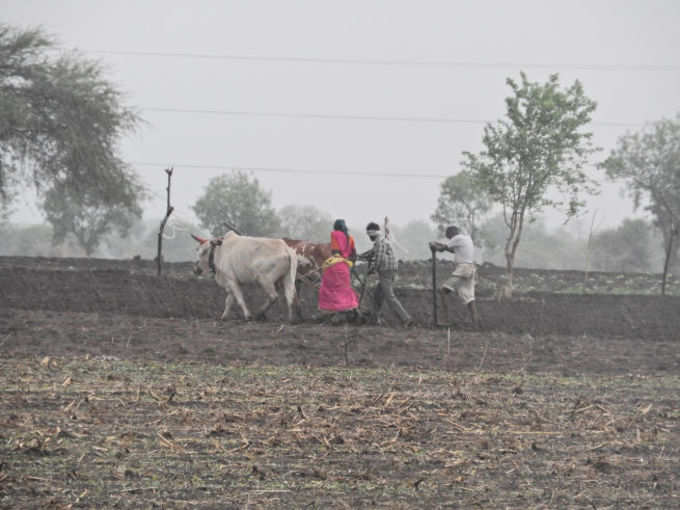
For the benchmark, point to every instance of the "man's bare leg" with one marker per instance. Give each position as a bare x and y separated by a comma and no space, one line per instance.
472,308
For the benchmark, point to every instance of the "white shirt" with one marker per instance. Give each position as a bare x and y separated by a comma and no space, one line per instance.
463,248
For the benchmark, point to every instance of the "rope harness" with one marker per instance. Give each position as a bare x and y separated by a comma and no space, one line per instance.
211,256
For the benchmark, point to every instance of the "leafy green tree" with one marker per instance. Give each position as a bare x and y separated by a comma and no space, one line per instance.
540,248
60,120
649,163
177,245
305,222
118,246
5,213
35,241
414,238
88,217
626,249
7,199
462,202
540,147
237,200
142,238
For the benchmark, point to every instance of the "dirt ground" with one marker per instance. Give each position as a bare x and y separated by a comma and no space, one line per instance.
131,287
119,389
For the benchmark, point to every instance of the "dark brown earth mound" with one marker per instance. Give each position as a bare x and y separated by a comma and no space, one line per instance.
130,287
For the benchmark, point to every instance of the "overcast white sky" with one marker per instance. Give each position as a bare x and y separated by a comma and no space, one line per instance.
452,59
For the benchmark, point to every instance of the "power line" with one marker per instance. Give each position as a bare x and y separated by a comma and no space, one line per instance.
411,174
326,116
393,62
323,116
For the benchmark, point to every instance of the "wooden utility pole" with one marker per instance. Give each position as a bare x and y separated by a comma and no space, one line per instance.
168,212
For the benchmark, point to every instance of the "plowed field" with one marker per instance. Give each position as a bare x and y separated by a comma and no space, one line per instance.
119,389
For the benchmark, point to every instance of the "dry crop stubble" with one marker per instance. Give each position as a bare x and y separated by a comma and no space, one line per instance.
103,404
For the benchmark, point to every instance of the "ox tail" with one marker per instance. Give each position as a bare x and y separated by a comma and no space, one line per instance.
289,278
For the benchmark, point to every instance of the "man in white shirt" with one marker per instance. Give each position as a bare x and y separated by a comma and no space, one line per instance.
464,275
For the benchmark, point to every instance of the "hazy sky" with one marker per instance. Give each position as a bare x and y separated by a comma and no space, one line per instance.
438,67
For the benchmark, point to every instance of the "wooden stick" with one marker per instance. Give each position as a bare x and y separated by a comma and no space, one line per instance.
168,212
434,288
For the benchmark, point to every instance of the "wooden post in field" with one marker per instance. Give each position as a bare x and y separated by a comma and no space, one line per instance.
434,288
168,212
588,252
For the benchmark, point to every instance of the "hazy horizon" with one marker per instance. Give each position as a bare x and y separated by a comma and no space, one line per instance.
305,91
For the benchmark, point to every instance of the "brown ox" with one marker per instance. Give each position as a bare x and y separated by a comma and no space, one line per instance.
311,256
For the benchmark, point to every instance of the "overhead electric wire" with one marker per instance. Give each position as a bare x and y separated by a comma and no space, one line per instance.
411,174
379,62
323,116
328,116
391,62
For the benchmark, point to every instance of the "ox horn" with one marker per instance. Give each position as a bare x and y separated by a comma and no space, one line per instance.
199,239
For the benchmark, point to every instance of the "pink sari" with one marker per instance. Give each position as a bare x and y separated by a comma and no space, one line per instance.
336,293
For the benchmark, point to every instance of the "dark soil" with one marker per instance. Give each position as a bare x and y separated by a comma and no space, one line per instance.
132,288
119,389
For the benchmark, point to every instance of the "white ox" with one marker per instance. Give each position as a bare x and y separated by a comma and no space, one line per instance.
237,260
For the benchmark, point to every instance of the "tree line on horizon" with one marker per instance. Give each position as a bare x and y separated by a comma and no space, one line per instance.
634,246
62,122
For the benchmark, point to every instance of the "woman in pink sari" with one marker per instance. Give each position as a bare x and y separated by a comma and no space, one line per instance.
336,293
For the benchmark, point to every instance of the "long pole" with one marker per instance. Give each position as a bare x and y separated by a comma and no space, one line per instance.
434,288
168,212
